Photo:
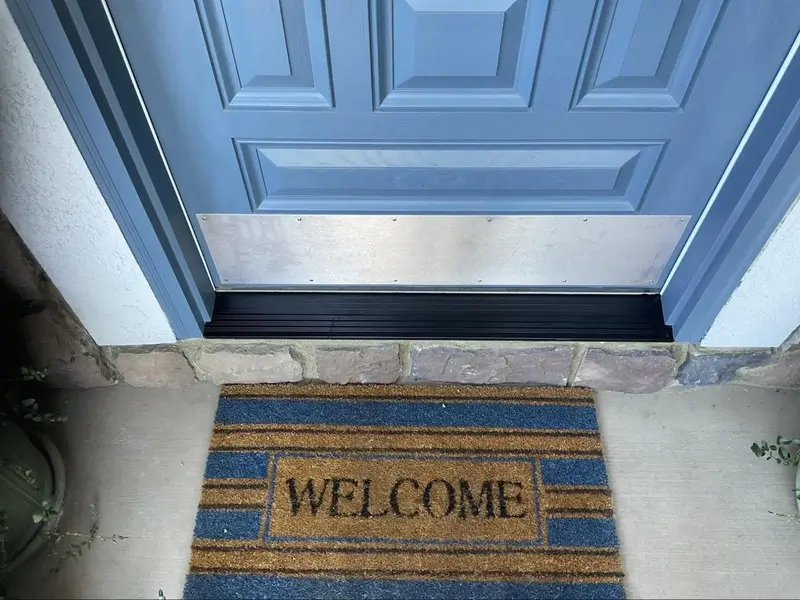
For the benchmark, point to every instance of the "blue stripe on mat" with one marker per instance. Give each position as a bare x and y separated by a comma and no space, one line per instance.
227,524
429,414
242,465
594,532
574,471
267,586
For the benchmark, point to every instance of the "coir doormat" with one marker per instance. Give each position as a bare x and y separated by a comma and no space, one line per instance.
318,491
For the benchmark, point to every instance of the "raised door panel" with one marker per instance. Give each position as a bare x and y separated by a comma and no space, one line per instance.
447,178
268,54
644,54
455,54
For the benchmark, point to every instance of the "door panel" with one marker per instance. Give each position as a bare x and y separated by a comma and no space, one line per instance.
453,107
644,55
424,177
446,55
256,64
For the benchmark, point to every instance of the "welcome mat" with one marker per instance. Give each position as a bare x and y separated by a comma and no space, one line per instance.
365,491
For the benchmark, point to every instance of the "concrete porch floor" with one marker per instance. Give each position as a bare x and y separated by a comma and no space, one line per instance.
692,502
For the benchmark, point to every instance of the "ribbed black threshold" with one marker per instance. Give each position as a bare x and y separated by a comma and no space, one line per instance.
427,316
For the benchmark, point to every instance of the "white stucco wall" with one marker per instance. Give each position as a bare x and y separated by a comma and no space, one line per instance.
765,309
52,201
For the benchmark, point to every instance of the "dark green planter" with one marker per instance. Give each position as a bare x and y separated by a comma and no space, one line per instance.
31,472
797,489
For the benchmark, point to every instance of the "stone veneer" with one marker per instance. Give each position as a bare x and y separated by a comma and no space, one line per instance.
632,368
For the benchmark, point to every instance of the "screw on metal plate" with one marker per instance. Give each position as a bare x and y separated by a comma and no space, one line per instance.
395,280
563,281
489,219
480,280
311,280
299,218
585,220
203,218
225,279
395,219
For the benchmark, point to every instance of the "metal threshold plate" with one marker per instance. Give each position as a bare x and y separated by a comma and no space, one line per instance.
433,250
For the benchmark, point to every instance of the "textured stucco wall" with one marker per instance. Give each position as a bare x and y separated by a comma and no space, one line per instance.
51,199
765,309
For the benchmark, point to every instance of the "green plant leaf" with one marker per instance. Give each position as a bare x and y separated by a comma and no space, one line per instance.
785,441
37,517
783,453
28,402
756,449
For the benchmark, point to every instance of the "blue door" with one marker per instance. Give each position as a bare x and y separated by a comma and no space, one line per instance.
437,144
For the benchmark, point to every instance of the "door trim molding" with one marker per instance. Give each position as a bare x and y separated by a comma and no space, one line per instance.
96,99
754,194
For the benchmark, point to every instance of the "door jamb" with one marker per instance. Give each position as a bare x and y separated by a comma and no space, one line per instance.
98,100
755,192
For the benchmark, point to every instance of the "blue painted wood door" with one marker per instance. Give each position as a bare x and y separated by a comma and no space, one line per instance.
453,107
